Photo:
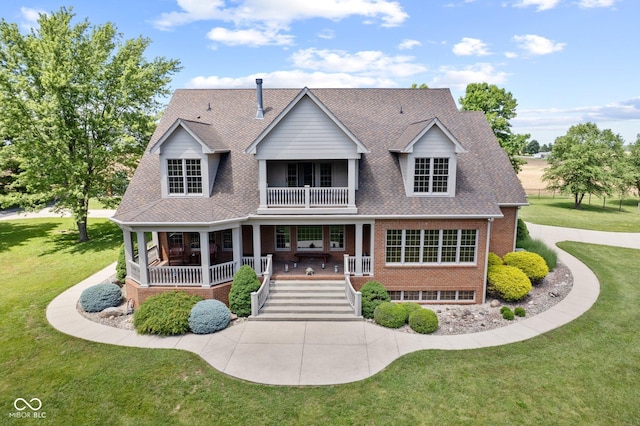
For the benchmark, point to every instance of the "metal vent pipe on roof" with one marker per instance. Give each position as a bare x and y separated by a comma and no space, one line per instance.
260,112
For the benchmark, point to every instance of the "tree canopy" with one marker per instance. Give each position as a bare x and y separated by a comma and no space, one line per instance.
586,160
77,107
634,161
499,106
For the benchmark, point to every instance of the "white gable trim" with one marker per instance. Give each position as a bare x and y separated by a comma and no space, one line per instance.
157,147
252,149
407,149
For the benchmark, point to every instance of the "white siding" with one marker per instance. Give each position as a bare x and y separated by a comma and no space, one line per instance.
181,145
433,143
306,133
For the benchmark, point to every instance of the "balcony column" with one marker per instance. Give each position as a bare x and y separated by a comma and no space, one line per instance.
236,241
358,271
262,182
143,259
205,261
257,253
352,183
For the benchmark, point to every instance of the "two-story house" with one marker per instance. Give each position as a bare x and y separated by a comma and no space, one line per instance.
392,185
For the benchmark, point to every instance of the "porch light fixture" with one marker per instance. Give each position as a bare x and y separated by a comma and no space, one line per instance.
286,267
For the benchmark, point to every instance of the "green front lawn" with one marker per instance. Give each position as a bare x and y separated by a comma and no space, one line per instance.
583,373
559,211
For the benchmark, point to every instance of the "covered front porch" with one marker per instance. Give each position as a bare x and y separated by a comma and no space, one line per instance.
175,258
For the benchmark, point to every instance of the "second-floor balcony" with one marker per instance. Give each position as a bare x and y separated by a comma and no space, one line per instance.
308,197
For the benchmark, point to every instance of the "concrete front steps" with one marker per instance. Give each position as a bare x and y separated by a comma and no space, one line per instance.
306,300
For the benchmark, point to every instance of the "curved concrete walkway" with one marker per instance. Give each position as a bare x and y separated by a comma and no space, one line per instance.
321,353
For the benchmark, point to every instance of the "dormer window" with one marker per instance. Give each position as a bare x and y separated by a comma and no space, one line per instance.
431,175
184,176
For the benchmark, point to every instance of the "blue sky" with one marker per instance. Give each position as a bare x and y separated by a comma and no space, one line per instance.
565,61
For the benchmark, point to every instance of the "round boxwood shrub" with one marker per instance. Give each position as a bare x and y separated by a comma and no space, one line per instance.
245,281
99,297
209,316
409,308
165,314
508,283
532,264
373,294
519,312
389,315
493,259
508,314
423,321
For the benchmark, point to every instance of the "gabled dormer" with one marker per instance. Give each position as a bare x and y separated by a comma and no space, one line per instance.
189,153
307,161
427,154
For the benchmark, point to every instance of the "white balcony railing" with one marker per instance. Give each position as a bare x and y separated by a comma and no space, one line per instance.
351,265
307,197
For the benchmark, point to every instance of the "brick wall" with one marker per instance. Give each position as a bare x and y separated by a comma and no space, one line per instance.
503,232
140,294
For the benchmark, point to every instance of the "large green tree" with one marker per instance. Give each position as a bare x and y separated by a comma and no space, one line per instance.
634,160
499,106
586,160
77,106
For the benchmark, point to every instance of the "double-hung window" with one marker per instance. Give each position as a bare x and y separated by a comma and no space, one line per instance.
431,246
431,175
185,176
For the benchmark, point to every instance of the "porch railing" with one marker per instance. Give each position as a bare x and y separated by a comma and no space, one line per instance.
222,272
354,297
133,270
175,275
307,197
351,263
249,260
259,297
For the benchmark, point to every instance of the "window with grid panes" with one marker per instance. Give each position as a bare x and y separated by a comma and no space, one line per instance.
292,175
447,295
430,295
395,295
176,176
227,239
467,245
310,237
440,175
412,246
394,246
411,295
325,175
466,295
283,238
194,176
421,175
449,245
431,246
185,176
336,234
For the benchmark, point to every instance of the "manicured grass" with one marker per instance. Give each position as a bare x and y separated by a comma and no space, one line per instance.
559,211
583,373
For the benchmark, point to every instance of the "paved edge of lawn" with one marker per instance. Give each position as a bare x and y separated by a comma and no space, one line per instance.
322,353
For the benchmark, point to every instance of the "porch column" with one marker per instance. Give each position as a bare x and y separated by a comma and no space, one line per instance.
262,182
257,254
143,259
358,270
236,241
128,249
352,182
205,262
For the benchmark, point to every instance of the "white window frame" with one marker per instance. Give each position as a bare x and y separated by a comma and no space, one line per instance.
186,179
431,175
286,233
421,262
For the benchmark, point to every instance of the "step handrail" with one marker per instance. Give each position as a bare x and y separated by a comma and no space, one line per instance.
259,297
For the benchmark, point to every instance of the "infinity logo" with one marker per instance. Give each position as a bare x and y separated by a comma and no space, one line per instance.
25,404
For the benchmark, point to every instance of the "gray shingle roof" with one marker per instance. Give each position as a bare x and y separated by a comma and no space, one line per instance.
377,117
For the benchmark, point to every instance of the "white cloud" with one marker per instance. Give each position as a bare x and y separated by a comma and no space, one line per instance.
596,3
511,55
471,46
541,4
247,12
292,79
250,37
367,63
538,45
408,44
30,18
326,34
459,78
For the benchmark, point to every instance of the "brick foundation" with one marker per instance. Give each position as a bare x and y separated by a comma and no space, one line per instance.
140,294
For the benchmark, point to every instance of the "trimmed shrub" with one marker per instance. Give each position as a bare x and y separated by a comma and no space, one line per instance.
423,321
409,308
532,264
165,314
549,255
508,314
389,315
99,297
519,312
493,259
209,316
245,281
373,294
121,266
503,309
522,233
508,283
